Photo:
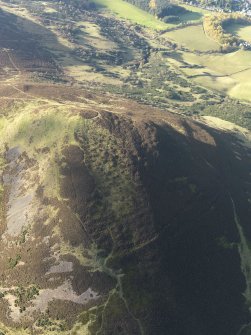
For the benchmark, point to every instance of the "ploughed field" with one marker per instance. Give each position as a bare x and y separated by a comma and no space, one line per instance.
120,213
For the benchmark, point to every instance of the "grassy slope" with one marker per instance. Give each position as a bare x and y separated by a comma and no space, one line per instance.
196,9
186,37
130,12
242,31
225,72
127,11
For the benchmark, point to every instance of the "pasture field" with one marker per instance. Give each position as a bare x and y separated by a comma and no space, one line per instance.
127,11
224,64
241,91
197,58
240,30
193,38
229,73
130,12
190,16
204,64
193,14
199,11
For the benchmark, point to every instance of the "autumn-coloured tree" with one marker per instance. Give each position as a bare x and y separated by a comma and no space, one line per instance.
152,4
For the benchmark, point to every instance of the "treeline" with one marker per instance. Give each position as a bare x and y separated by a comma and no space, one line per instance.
143,4
163,9
227,5
153,6
215,27
81,4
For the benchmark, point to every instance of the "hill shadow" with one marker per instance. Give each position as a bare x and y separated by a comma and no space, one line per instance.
28,45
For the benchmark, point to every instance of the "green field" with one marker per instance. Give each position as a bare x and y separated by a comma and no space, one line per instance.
130,12
193,38
225,64
196,9
240,30
230,73
190,16
193,14
127,11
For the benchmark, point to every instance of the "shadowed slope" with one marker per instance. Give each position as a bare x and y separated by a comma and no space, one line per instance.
120,222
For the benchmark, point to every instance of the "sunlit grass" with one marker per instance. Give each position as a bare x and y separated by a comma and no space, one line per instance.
130,12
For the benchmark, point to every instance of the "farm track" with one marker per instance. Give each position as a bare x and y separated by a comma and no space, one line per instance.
12,62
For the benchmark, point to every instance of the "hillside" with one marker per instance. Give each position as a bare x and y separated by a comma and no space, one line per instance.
125,183
118,227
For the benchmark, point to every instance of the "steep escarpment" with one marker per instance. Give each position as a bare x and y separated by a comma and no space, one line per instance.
118,218
198,236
